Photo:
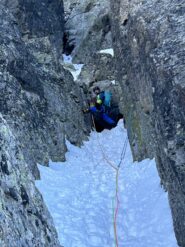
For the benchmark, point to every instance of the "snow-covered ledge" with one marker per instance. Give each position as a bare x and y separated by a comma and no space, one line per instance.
75,69
107,51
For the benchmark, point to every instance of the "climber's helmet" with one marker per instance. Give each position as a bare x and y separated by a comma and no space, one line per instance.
96,90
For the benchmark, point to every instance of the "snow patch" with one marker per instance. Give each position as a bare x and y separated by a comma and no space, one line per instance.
75,69
107,51
80,191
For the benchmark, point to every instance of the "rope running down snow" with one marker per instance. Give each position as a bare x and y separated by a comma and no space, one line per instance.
116,168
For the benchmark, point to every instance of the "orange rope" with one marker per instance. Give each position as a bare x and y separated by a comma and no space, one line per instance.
116,168
116,211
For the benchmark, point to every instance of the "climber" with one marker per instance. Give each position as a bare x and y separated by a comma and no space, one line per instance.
99,108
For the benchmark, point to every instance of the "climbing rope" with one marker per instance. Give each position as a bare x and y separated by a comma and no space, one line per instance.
116,169
117,190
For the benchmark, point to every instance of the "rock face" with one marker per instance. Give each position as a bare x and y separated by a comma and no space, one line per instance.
40,104
87,27
149,43
40,107
36,99
25,220
87,32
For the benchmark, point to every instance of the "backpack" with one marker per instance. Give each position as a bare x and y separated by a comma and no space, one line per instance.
107,99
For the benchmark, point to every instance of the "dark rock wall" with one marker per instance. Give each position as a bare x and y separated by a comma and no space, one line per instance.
25,220
39,18
40,25
38,97
149,43
40,107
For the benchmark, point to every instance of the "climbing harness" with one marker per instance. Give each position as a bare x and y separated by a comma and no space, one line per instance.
117,170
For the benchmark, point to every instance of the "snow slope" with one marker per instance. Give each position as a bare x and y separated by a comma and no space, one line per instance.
79,194
75,69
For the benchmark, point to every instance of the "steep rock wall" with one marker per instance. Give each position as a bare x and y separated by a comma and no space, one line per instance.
40,108
87,32
149,43
25,220
39,98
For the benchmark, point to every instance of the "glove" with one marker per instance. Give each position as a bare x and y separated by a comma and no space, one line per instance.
85,110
